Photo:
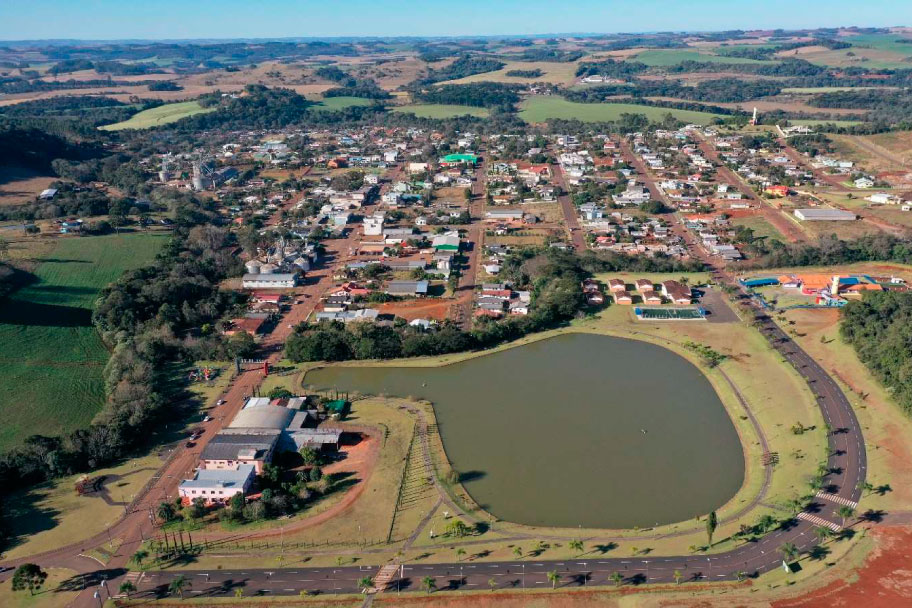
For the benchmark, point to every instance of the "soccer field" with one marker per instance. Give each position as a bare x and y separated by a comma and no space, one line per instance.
51,356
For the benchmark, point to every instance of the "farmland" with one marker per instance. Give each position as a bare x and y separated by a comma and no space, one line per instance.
553,72
433,110
162,115
51,356
542,109
331,104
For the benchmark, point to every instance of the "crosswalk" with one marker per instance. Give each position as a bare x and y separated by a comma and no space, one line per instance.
819,521
386,574
839,500
132,577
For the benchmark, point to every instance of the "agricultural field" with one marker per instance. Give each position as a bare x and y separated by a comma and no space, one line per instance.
665,58
329,104
542,109
562,73
435,110
162,115
51,356
19,185
872,51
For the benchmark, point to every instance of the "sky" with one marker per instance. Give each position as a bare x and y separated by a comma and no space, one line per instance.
187,19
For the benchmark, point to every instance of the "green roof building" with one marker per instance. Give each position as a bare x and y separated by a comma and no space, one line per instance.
455,159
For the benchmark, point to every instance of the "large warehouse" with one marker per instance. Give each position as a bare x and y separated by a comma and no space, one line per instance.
824,215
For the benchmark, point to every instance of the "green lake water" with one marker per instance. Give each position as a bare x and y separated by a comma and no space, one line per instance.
576,430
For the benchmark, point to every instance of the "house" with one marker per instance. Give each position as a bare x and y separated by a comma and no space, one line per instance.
47,194
407,288
778,191
623,298
217,486
643,285
227,450
616,285
650,297
864,182
676,292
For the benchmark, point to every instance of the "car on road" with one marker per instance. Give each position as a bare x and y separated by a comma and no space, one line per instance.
207,418
190,444
220,402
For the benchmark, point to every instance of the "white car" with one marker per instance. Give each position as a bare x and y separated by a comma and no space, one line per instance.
207,418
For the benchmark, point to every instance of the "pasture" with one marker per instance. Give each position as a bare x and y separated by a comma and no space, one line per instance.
542,109
331,104
436,110
162,115
51,356
552,72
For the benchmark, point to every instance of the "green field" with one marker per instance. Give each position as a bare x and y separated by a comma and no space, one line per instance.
665,58
813,90
162,115
435,110
817,123
51,357
544,108
761,227
329,104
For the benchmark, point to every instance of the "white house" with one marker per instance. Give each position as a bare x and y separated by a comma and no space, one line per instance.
217,486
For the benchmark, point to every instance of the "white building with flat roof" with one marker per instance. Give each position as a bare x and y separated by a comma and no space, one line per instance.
217,486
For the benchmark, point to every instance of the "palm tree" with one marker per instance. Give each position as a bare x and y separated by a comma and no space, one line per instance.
127,588
554,577
178,584
711,523
492,584
576,545
789,551
822,533
365,583
139,557
238,592
740,575
459,553
845,513
618,578
517,551
866,486
428,583
678,577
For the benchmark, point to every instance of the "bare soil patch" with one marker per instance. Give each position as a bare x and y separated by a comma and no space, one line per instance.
19,185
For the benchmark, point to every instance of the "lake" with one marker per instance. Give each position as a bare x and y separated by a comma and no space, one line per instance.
575,430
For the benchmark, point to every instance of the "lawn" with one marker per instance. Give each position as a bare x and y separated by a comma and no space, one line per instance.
52,514
544,108
59,589
665,58
162,115
52,357
434,110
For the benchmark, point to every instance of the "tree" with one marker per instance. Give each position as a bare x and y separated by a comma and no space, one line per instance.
457,529
618,578
554,578
365,583
492,584
165,511
178,585
309,455
845,512
127,588
28,576
429,584
576,545
822,533
712,523
789,551
678,577
459,553
517,551
4,248
740,575
238,592
139,557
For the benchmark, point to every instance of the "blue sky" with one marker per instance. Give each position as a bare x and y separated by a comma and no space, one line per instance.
175,19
